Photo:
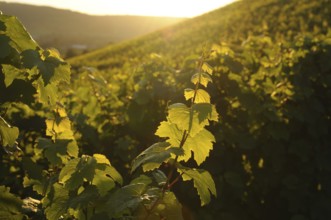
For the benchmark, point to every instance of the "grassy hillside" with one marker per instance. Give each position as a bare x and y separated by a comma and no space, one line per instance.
62,28
272,89
233,24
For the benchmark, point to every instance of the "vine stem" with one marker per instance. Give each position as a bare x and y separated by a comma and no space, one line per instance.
185,135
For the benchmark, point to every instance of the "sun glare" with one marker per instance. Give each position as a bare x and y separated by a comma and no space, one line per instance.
173,8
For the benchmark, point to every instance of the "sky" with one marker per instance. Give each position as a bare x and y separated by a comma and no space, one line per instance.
173,8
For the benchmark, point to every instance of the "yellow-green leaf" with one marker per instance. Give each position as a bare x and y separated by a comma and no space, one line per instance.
201,78
202,181
207,68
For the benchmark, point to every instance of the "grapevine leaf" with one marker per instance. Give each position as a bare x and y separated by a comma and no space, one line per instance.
53,70
125,199
103,183
205,111
76,171
72,148
101,159
159,177
202,181
10,205
31,58
5,46
207,68
96,169
114,174
84,198
58,198
46,94
55,152
188,93
34,175
68,170
8,134
19,36
168,207
12,73
201,144
166,130
59,128
203,77
202,97
142,179
192,120
154,156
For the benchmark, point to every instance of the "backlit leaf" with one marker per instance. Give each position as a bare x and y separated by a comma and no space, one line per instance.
201,95
58,204
201,145
207,68
192,120
125,199
10,205
11,73
202,181
8,134
201,78
154,156
16,31
189,93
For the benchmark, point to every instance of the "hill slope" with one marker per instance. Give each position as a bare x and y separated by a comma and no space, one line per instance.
62,28
272,86
234,24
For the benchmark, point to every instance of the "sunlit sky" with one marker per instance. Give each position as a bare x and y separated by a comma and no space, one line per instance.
174,8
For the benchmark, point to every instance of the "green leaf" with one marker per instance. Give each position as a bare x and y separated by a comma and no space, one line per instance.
31,58
159,177
207,68
84,198
17,33
76,171
58,202
166,130
189,93
154,156
96,170
46,94
205,111
110,171
56,152
192,120
101,159
201,78
8,134
53,70
201,144
125,199
142,179
10,205
11,73
5,46
202,181
168,207
103,183
59,128
201,95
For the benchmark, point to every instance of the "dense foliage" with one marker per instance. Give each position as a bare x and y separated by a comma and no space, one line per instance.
271,86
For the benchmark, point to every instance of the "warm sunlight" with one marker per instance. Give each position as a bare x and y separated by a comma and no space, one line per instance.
173,8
